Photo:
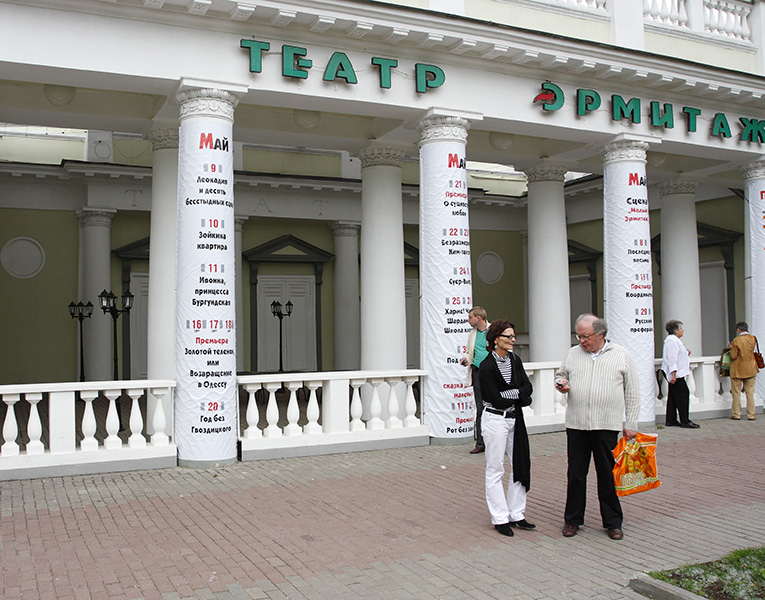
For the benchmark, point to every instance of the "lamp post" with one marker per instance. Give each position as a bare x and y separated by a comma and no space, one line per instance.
109,305
276,310
81,312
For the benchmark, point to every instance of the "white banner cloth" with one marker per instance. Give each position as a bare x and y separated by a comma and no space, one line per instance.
205,342
756,196
446,288
627,271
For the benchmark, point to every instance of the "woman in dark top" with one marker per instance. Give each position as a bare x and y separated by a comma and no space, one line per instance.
506,390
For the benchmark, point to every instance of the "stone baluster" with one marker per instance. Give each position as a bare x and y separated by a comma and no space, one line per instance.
312,412
375,406
272,429
158,419
356,407
34,426
136,439
89,442
253,415
393,422
410,404
112,440
10,427
293,410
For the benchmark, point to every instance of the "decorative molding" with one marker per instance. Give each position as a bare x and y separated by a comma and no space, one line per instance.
754,170
22,257
681,185
207,102
345,229
546,172
621,150
96,217
443,128
164,138
380,155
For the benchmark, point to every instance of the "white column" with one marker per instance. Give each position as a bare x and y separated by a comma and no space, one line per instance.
96,277
383,308
680,280
205,312
446,285
627,261
347,309
548,296
164,200
754,175
238,225
627,24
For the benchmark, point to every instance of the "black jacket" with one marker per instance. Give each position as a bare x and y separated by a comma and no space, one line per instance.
492,383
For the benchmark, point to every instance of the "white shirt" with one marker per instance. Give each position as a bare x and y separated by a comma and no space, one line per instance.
675,358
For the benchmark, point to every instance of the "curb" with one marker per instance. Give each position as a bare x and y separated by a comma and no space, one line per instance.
660,590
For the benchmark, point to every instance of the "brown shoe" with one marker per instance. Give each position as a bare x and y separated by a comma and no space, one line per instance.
570,530
478,450
735,418
615,533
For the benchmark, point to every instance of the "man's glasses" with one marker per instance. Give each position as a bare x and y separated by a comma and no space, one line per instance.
584,338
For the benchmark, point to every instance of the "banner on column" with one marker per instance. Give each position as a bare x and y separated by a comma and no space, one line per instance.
756,196
628,271
205,344
446,288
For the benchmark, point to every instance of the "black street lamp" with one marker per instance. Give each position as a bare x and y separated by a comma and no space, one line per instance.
276,310
81,312
109,305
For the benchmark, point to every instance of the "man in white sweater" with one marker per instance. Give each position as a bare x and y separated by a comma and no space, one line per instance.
602,386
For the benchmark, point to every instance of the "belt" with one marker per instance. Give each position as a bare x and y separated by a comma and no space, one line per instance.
507,413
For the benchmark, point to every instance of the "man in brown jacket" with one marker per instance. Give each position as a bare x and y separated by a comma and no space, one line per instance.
743,370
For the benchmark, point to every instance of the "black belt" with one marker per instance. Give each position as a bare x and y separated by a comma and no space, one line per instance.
508,414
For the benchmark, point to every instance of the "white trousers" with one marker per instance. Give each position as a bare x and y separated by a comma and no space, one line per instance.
498,438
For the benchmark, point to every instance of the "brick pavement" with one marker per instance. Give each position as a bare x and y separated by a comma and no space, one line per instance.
408,523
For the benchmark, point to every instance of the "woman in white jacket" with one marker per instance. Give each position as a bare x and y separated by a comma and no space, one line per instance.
676,367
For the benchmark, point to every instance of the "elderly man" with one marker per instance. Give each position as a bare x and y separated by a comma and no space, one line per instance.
475,353
602,386
743,371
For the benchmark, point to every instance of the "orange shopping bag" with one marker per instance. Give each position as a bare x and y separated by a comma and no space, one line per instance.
635,468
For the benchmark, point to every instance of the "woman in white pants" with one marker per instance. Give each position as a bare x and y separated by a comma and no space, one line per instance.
506,390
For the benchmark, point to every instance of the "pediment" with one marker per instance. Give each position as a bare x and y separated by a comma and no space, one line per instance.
287,249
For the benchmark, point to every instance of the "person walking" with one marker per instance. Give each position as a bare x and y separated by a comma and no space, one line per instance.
743,371
601,381
475,353
676,367
506,390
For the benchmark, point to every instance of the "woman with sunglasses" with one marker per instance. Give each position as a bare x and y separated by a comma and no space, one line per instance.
506,389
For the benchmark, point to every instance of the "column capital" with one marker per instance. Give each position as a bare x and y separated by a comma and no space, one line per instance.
96,217
376,154
545,171
443,127
623,150
163,138
680,185
345,229
208,102
754,170
239,221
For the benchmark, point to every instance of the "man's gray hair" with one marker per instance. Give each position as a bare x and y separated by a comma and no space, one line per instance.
598,325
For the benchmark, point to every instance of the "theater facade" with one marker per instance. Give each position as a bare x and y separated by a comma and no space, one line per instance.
382,167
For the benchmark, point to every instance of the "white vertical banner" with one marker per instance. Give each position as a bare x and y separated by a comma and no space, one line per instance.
627,264
205,351
446,287
755,188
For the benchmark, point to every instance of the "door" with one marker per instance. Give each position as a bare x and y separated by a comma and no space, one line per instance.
298,330
139,326
412,287
714,308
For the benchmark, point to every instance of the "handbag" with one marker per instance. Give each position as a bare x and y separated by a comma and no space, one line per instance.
635,467
725,363
758,356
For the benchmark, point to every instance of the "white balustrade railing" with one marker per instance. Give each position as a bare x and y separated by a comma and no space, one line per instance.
68,428
725,18
57,429
728,18
293,414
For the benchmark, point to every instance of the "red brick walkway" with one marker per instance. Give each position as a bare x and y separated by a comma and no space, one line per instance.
408,523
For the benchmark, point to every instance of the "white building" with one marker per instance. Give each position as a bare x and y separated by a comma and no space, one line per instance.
332,113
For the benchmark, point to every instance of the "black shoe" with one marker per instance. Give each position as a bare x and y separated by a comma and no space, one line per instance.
689,425
675,424
504,529
522,524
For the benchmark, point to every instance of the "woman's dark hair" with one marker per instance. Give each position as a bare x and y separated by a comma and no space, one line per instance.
672,326
496,328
